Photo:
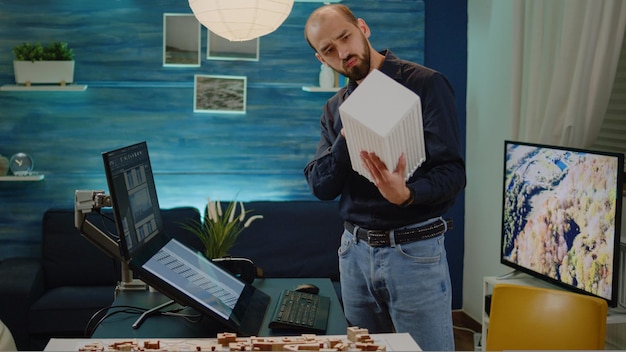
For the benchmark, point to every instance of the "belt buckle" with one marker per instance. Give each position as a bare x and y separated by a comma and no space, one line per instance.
377,238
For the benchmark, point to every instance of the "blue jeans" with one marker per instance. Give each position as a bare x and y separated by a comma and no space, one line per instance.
398,288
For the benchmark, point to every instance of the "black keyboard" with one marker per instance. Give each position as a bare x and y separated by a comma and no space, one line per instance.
301,311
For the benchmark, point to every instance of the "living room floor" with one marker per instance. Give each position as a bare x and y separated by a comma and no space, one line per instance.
464,329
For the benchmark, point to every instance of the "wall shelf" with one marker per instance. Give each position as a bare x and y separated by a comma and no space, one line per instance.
320,89
34,177
69,87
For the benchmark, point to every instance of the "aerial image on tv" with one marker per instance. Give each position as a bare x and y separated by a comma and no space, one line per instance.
559,215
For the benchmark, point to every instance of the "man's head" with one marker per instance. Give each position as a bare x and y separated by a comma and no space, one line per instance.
340,40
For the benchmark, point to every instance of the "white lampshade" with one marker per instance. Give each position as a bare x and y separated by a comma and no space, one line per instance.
240,20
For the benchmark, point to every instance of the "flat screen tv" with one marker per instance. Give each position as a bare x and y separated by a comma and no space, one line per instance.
561,217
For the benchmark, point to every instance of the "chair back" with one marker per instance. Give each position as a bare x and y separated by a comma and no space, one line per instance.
534,318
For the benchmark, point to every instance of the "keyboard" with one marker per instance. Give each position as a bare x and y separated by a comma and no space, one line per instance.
303,312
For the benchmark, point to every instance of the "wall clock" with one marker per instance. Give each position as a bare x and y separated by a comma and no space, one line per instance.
21,164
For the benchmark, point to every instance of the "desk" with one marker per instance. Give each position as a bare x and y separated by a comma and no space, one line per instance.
120,325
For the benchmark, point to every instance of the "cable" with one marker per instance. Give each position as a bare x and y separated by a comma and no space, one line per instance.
127,309
192,318
104,217
465,329
461,327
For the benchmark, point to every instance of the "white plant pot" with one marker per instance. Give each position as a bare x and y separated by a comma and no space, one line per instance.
57,72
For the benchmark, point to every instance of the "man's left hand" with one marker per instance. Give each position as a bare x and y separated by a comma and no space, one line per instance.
390,184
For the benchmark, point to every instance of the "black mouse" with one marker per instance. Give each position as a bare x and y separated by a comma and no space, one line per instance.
308,288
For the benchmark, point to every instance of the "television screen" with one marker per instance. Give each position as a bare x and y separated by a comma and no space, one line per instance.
561,217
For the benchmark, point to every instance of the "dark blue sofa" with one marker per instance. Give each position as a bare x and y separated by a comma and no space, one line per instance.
57,294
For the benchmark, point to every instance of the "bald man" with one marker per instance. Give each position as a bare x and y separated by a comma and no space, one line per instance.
392,259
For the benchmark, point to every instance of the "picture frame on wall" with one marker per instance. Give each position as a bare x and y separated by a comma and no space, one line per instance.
181,40
219,48
220,94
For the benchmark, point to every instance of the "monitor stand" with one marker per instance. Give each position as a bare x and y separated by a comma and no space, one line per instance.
129,283
150,312
512,275
621,310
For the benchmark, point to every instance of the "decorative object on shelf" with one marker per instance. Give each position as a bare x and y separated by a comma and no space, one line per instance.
220,229
21,164
340,80
239,20
327,77
35,63
329,81
4,165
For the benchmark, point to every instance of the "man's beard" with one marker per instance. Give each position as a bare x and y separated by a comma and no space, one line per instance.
358,71
362,66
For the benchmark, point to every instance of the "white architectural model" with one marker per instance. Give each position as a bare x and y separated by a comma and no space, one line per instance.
384,117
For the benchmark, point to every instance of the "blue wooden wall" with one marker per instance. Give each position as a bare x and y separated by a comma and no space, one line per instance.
131,97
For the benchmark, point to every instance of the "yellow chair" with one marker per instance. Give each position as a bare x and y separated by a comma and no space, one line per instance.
533,318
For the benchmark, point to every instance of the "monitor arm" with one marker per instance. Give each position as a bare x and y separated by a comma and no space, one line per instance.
86,202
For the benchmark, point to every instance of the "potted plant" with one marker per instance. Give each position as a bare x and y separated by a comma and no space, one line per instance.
220,229
35,63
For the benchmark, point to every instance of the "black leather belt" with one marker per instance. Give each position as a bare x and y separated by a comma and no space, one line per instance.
380,238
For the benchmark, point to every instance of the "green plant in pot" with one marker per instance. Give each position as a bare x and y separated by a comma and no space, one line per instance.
36,63
221,228
55,51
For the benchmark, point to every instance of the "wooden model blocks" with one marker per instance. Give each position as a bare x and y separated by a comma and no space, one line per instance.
356,339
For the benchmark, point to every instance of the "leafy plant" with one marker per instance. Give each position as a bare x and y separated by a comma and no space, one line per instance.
55,51
219,230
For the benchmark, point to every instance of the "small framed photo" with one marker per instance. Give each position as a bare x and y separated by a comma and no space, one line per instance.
181,40
222,94
219,48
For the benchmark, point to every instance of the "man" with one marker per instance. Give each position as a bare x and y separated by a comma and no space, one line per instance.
392,260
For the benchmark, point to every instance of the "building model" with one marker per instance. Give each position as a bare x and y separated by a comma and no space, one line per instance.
356,339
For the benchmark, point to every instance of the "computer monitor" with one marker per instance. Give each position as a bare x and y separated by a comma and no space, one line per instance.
182,274
561,216
133,192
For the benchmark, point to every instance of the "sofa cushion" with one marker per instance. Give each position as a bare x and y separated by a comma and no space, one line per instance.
294,238
20,286
65,311
68,258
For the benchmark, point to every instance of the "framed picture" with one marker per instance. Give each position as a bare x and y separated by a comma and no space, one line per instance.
181,40
219,48
223,94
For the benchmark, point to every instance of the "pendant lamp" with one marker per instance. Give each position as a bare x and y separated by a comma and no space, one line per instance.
241,20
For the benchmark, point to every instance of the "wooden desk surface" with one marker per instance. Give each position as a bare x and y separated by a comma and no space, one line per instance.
119,325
